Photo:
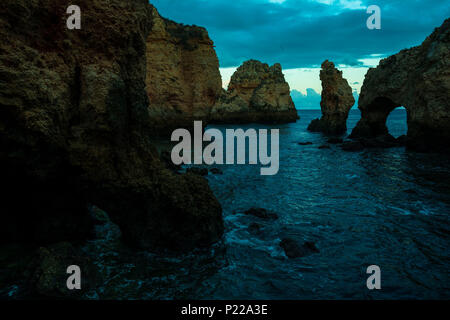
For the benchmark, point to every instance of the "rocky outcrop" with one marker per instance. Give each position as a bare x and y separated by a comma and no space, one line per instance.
419,80
337,100
256,93
183,78
74,128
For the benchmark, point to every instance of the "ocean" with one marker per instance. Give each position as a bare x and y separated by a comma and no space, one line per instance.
384,207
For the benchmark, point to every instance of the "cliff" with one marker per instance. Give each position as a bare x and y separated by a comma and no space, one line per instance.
183,79
74,128
419,80
256,93
337,100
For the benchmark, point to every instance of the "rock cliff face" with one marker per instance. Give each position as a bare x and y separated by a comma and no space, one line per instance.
256,93
183,78
337,100
74,127
419,80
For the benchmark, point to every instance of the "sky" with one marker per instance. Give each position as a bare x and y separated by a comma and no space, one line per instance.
301,34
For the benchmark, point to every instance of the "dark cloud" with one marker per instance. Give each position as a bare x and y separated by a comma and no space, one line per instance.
300,33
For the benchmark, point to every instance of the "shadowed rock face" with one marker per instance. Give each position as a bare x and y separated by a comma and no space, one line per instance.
256,93
419,80
337,100
183,78
74,127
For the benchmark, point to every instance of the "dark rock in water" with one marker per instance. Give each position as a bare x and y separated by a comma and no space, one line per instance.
75,128
305,143
337,100
261,213
402,140
352,146
324,146
47,273
99,216
198,171
293,250
418,80
216,171
166,159
257,93
255,228
335,140
384,141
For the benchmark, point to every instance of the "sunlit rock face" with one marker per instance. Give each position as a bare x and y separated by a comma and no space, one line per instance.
256,93
75,127
183,78
419,80
337,100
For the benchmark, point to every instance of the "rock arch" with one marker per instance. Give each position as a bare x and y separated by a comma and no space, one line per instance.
419,80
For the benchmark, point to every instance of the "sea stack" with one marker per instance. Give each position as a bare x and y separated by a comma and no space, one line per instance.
337,100
183,78
256,93
419,80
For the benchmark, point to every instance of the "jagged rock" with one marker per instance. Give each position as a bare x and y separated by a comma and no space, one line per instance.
418,79
74,129
47,272
183,78
256,93
293,250
166,159
337,100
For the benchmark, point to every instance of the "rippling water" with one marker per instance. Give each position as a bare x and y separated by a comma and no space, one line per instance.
387,207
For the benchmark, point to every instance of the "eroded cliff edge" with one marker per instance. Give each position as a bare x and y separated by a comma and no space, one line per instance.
256,93
337,100
419,80
74,128
183,78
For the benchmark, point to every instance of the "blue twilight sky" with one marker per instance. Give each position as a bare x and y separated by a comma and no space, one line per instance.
301,34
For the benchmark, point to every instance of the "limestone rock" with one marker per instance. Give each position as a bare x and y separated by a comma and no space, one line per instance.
337,100
75,127
256,93
418,79
183,78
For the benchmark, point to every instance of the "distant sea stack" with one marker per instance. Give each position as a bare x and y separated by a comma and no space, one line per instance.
419,80
337,100
183,78
74,131
256,93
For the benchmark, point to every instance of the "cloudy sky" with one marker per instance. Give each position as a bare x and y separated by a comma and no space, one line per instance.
301,34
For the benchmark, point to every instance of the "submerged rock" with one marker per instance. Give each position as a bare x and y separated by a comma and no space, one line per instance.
417,79
352,146
335,140
293,250
75,127
324,147
256,93
261,213
337,100
215,171
198,171
305,143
